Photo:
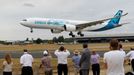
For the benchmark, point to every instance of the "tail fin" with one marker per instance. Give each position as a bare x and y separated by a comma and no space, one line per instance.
116,19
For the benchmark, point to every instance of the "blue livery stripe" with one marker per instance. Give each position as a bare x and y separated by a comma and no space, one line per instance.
112,23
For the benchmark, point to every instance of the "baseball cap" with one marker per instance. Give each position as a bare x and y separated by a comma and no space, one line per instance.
45,52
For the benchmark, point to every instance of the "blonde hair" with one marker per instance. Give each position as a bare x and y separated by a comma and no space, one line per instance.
8,58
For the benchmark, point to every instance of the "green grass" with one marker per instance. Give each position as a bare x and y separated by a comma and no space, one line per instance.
35,47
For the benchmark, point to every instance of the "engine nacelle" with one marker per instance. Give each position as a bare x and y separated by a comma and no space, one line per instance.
56,31
69,27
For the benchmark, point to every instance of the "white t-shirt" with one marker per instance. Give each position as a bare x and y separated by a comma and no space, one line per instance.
62,56
115,61
26,60
7,67
130,55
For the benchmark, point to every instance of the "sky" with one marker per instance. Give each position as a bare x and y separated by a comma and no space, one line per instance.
13,11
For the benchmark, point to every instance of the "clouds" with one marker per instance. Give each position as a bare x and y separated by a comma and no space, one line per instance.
12,11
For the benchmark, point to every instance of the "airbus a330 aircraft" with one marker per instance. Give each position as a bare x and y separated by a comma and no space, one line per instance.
59,25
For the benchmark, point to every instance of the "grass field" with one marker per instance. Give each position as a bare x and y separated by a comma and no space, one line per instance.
93,46
37,71
35,47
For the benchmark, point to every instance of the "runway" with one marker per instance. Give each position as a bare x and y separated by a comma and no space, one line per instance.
37,54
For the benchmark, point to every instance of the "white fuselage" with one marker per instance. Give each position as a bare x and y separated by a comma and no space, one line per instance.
57,24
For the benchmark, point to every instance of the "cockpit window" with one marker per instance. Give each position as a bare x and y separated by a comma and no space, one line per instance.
24,20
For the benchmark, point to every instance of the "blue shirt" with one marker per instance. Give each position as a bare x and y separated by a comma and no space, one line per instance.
76,60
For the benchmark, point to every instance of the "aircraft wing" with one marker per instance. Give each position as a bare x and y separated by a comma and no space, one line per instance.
84,25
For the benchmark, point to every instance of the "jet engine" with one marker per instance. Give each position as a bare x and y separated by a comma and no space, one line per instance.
69,27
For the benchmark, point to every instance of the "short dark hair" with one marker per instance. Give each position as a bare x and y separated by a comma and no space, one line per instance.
62,48
25,50
85,45
131,48
120,45
114,43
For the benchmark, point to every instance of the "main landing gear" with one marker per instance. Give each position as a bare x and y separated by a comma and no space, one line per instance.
71,34
79,33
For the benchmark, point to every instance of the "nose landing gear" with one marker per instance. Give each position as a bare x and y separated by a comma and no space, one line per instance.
31,30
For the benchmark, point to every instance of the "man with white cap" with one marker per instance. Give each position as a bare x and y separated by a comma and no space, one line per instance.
46,62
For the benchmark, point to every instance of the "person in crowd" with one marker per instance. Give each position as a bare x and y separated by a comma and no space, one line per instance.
7,65
85,61
95,63
76,59
129,73
26,60
46,62
130,54
120,47
62,55
114,59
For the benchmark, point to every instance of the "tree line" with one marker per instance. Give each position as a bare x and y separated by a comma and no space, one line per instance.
59,39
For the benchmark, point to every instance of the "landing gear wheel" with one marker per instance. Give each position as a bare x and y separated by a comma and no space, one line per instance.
82,35
79,33
31,30
71,33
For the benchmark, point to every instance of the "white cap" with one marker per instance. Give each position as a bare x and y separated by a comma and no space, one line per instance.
45,52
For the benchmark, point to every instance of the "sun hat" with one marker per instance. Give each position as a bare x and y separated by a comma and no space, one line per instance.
76,52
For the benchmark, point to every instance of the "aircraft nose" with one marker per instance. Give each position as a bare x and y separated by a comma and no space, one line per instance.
23,21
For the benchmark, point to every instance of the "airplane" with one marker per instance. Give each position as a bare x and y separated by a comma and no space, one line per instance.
60,25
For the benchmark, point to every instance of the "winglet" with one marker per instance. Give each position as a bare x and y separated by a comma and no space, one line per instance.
125,14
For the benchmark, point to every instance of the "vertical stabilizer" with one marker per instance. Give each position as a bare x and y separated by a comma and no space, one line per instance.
115,20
